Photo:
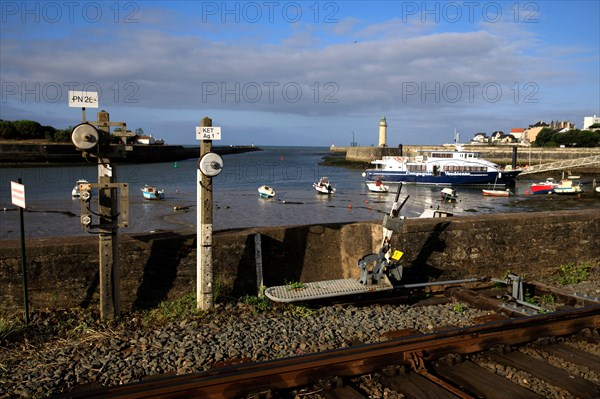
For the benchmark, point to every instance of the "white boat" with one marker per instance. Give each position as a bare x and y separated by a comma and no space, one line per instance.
266,192
377,187
152,193
76,192
496,193
324,186
568,187
449,194
447,168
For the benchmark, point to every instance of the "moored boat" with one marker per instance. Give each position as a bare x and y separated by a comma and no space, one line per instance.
496,193
377,187
76,190
266,192
568,187
324,186
152,193
545,187
446,168
449,194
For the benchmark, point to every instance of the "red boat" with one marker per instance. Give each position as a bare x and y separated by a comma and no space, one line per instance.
546,187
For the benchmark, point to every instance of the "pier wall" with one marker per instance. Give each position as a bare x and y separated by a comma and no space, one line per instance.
500,154
154,267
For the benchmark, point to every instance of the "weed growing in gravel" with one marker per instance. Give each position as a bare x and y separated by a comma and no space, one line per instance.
458,308
180,309
572,273
9,328
261,304
300,311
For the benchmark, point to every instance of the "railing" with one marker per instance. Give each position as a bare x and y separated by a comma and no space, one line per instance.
559,165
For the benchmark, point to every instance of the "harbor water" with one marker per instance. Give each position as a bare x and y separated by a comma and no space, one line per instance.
291,171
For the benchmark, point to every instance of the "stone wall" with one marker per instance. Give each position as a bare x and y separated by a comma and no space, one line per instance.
500,154
154,267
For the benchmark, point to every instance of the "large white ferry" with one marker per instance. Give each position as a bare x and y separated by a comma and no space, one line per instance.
448,168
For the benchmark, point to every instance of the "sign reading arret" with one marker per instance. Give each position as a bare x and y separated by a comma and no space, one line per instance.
17,193
208,133
83,99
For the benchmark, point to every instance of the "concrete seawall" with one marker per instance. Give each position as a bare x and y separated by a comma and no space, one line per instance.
64,272
501,155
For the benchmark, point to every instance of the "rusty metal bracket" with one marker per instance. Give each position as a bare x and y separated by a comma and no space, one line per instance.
417,364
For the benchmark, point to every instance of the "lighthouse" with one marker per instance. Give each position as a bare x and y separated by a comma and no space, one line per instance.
382,132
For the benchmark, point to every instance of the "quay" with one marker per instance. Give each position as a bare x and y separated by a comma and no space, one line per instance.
162,266
500,154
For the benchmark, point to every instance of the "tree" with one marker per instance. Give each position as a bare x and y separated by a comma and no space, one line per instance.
8,131
29,129
544,137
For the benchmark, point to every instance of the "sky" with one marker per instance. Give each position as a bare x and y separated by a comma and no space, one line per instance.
303,73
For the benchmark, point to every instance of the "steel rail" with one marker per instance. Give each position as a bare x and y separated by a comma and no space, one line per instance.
558,165
243,379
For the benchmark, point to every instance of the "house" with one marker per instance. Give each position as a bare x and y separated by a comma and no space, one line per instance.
145,140
499,137
589,121
533,130
517,133
480,138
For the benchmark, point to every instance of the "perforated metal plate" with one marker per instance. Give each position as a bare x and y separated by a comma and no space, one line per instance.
324,289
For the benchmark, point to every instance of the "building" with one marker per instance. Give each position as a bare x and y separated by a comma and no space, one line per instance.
480,138
589,121
562,125
499,137
533,130
517,133
382,132
145,140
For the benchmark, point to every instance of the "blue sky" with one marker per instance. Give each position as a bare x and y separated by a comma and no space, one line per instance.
304,72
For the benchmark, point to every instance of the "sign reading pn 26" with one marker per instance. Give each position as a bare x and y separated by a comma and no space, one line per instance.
83,99
208,133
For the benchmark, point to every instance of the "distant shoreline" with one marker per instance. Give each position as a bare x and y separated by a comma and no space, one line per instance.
20,153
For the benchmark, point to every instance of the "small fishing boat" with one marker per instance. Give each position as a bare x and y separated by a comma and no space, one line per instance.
496,193
568,187
377,187
324,186
75,193
152,193
449,194
545,187
266,192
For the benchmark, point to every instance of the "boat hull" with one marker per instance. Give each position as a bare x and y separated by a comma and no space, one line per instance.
496,193
443,178
266,192
542,188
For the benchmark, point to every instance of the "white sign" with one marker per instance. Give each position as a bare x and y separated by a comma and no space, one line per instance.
83,99
208,133
17,192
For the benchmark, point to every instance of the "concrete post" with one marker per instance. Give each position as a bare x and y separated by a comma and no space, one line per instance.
204,272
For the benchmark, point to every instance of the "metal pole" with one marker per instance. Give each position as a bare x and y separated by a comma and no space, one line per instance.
24,263
204,270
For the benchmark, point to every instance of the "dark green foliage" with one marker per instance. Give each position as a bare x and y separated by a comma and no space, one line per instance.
573,138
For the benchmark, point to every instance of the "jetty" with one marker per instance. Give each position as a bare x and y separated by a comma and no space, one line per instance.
52,154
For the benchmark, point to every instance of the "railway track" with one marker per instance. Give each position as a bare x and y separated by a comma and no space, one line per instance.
519,351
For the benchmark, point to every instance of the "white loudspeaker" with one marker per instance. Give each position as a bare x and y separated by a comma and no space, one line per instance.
85,136
210,164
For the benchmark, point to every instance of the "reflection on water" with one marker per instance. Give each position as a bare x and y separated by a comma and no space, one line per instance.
290,171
